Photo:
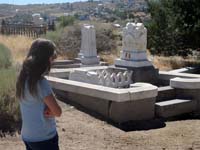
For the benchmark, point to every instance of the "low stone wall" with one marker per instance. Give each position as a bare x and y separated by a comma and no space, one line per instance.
165,76
119,105
187,88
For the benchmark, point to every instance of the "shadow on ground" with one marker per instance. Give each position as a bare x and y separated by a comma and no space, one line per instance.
127,126
9,125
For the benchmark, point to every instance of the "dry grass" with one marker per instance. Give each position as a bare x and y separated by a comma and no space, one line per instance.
173,62
109,57
18,45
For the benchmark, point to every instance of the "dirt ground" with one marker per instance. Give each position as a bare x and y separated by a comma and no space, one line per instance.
81,131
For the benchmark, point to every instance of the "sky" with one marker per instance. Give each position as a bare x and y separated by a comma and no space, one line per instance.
24,2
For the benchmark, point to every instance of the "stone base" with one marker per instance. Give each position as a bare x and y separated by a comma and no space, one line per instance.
119,105
147,74
126,63
90,60
93,104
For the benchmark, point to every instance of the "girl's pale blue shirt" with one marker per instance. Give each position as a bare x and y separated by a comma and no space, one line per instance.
35,126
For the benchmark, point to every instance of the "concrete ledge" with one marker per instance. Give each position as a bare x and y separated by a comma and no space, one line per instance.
137,92
185,83
119,105
175,107
164,75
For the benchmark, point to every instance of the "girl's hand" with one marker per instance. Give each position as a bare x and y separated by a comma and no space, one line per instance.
53,106
48,113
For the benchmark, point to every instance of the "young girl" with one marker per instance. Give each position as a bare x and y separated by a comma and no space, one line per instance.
37,102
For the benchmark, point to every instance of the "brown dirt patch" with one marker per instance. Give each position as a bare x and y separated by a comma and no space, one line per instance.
80,131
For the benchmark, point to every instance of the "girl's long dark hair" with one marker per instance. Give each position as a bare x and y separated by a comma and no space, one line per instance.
35,65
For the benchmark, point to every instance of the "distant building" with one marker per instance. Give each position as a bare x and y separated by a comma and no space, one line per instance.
37,19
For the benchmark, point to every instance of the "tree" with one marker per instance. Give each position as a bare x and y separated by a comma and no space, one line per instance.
175,25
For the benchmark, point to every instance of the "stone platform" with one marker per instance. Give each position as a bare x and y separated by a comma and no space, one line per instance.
118,105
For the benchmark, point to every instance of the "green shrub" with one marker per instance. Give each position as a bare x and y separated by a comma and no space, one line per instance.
174,26
54,35
9,106
66,20
5,57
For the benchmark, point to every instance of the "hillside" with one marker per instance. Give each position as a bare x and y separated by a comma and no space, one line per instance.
7,10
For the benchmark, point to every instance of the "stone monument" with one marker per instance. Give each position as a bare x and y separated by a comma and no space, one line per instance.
88,52
133,55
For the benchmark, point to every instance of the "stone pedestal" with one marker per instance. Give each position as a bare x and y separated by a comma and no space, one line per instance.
92,60
88,52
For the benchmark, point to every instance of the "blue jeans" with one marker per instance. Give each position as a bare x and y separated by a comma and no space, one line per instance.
51,144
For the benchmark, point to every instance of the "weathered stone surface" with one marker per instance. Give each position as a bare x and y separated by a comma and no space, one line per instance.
165,93
97,105
93,104
88,52
175,107
143,109
190,94
134,44
134,37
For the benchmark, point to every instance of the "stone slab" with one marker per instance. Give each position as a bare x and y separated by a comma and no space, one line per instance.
175,107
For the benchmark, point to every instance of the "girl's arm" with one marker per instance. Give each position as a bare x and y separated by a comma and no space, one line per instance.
53,106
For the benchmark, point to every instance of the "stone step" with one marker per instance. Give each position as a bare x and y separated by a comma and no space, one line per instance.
174,107
165,93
